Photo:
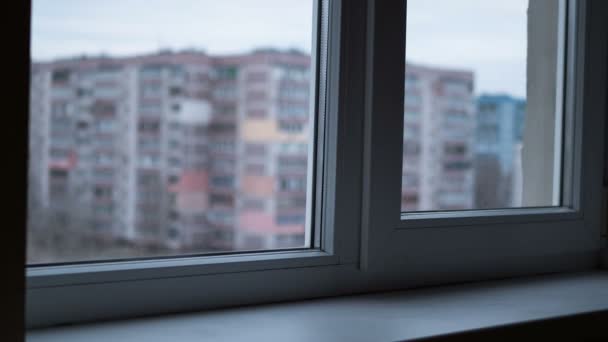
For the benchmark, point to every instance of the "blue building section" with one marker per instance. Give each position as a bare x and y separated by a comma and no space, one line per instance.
500,125
498,139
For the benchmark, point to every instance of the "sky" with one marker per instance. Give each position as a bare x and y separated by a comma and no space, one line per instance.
487,37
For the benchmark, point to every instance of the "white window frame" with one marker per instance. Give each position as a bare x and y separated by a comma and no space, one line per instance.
488,242
360,242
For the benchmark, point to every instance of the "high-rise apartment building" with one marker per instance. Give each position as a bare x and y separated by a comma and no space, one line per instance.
180,149
439,124
499,133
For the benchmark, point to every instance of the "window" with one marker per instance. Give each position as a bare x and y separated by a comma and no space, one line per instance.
256,149
457,149
256,96
223,181
225,92
175,91
226,72
221,200
285,220
292,164
291,127
292,184
204,158
257,113
105,126
222,165
465,101
151,90
222,146
374,191
294,93
225,109
291,202
294,148
257,76
149,126
291,110
102,192
253,204
60,76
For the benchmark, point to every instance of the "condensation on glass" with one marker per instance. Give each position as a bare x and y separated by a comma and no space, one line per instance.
165,128
482,108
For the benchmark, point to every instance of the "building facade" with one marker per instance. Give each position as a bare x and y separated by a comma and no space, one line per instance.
439,124
499,134
183,150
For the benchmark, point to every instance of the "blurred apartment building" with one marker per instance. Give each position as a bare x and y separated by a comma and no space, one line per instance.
438,140
181,149
200,152
499,135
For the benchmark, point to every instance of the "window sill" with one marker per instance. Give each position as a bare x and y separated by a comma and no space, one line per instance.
385,316
77,274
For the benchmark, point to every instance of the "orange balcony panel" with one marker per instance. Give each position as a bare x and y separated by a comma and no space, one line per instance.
262,186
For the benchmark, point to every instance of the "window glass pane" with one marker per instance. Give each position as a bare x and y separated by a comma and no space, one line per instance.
168,127
482,108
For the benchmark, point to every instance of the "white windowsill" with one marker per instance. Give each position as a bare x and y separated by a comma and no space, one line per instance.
387,316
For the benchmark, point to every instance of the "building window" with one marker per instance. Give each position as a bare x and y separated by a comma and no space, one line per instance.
255,169
258,113
256,149
226,72
257,76
291,127
292,184
455,149
284,220
254,204
222,181
221,200
227,110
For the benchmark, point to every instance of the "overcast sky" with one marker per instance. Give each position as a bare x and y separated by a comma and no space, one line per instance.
485,36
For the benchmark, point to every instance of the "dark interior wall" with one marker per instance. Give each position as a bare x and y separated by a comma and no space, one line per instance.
581,327
605,218
15,52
